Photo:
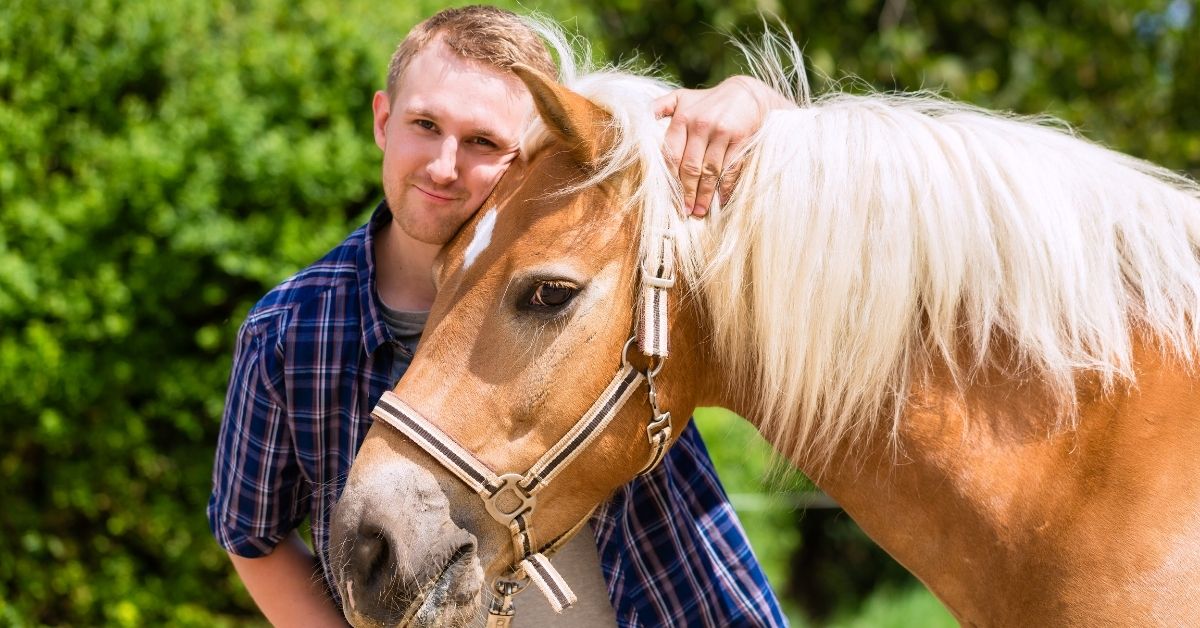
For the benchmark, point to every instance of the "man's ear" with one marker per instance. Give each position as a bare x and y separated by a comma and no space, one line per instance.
582,125
381,107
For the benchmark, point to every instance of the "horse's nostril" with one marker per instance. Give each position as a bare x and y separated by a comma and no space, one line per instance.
373,556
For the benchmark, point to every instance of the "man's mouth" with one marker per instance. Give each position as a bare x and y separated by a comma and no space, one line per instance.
442,196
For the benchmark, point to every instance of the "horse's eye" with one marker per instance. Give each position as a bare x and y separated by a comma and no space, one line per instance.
552,294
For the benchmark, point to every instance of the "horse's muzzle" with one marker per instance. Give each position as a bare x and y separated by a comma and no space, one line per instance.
397,557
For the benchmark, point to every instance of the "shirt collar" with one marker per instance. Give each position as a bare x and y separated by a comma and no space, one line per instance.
374,329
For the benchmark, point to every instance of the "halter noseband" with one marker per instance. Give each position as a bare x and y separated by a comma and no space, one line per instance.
511,497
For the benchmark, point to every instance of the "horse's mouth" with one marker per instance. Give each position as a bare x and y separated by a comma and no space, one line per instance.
450,592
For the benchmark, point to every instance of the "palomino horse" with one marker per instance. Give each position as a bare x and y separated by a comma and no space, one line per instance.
976,333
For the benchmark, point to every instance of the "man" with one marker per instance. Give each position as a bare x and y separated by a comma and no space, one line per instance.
316,353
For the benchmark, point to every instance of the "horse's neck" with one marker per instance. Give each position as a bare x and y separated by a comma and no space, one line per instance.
1000,512
943,497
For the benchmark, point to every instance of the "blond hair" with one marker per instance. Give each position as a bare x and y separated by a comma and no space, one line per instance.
492,36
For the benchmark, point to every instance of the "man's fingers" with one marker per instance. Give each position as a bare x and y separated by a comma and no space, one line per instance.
710,175
691,169
729,180
731,170
675,140
697,147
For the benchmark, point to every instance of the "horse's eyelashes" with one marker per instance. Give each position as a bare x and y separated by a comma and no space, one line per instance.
551,295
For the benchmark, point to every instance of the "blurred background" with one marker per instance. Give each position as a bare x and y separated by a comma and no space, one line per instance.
163,164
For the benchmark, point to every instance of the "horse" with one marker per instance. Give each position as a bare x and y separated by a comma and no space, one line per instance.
977,332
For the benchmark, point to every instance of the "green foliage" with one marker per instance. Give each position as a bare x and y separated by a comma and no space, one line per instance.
163,164
1126,72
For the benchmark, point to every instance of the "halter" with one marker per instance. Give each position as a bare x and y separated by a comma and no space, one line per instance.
511,497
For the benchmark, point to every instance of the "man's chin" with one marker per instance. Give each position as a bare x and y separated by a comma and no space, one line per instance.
432,240
437,234
427,225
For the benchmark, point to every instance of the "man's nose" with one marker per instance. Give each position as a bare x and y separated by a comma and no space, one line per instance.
443,169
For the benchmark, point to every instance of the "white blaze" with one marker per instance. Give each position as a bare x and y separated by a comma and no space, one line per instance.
483,237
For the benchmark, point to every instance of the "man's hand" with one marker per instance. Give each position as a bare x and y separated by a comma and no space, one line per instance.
707,127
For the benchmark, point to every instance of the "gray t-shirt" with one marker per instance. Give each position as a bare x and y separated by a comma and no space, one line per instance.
406,326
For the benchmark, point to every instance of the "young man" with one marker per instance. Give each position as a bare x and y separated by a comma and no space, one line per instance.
316,353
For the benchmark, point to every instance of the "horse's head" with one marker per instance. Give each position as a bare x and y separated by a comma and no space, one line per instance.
524,369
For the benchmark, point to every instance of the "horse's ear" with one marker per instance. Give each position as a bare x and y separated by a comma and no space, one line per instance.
573,118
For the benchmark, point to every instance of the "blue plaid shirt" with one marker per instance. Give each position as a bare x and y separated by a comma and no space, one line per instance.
314,356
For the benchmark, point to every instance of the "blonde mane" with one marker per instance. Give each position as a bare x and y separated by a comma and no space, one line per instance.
870,237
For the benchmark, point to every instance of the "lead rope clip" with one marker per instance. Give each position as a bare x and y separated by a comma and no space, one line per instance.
502,611
658,430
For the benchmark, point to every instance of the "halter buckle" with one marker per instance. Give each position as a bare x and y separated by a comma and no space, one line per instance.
509,499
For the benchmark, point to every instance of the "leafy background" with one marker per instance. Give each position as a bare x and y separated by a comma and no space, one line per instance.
163,164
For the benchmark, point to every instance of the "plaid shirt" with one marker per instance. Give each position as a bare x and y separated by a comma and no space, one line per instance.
314,356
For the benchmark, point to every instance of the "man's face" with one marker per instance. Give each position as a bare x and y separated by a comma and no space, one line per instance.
446,139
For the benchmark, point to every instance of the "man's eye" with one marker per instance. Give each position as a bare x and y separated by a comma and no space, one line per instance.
552,294
424,124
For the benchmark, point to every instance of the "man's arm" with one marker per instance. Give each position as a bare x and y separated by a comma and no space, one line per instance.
259,496
707,128
288,586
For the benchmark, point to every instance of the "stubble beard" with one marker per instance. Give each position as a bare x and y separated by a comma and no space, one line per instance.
438,231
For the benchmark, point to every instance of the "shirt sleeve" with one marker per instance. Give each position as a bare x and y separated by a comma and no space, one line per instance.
674,553
259,494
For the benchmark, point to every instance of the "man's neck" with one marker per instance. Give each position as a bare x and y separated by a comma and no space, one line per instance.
404,269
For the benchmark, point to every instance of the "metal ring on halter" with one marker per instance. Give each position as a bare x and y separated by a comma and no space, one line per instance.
625,351
657,360
658,364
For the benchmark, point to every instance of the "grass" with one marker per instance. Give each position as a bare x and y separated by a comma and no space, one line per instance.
896,608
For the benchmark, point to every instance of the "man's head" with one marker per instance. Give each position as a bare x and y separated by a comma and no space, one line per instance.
451,118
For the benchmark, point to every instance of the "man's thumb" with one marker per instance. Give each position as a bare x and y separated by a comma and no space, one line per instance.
664,106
